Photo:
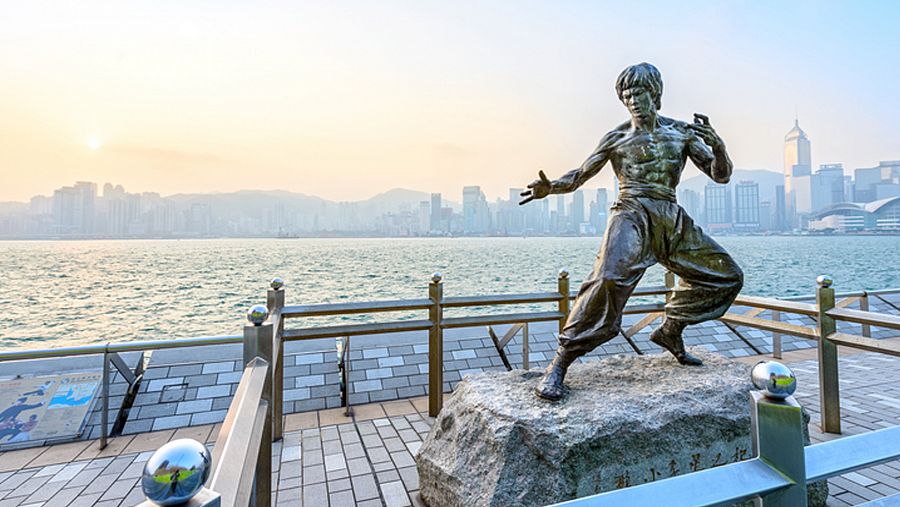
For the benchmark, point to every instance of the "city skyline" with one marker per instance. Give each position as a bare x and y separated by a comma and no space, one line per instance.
356,99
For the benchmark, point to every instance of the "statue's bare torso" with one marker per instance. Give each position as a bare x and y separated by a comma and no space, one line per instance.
655,158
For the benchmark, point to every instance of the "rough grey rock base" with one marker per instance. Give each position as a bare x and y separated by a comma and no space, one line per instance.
625,420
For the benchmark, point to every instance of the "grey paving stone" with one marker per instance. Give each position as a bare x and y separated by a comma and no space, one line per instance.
312,380
364,487
175,421
209,417
192,407
221,367
184,370
213,391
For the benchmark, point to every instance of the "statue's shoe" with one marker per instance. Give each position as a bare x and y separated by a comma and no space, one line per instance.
551,386
676,347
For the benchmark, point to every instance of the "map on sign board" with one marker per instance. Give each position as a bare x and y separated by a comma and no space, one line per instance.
51,407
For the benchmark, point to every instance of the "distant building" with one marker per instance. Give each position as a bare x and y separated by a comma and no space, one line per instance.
827,186
599,210
876,183
476,214
74,209
690,201
577,210
717,209
882,215
797,169
435,215
779,217
746,206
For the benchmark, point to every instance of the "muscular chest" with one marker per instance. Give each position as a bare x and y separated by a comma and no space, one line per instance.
660,146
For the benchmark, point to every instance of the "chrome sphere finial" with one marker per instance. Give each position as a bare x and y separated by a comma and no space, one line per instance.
436,277
258,314
563,273
277,283
774,379
824,281
176,472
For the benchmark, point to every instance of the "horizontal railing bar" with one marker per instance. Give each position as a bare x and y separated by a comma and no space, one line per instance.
309,333
882,292
643,308
770,325
732,483
653,290
500,299
496,320
777,304
356,307
861,317
100,348
836,457
889,347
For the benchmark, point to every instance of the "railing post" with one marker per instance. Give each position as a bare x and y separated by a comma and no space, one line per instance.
104,414
829,390
525,362
777,434
275,303
670,284
562,284
258,343
776,337
435,346
864,306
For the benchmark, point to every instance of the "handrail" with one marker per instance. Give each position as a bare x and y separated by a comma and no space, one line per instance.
100,348
734,482
237,448
355,307
861,317
776,304
500,299
891,348
836,457
496,320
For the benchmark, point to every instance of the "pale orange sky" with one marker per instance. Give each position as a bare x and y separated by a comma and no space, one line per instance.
345,100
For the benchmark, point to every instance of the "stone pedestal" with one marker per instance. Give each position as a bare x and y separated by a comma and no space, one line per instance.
625,420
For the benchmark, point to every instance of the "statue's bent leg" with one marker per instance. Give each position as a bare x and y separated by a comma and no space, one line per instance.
596,315
709,282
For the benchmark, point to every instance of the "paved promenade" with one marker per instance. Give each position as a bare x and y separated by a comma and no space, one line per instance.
326,459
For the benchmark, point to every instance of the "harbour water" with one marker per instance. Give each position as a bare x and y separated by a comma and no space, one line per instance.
55,293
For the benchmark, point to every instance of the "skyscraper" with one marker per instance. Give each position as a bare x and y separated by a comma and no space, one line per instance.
717,200
577,210
797,168
435,217
476,214
746,205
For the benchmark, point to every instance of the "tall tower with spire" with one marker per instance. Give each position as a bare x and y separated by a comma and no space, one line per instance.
797,169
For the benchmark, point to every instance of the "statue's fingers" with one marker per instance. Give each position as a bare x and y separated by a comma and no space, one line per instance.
525,193
526,200
543,176
702,117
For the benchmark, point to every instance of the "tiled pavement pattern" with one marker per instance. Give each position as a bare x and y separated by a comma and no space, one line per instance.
326,459
175,396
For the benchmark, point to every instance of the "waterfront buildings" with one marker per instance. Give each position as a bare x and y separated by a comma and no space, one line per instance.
746,206
717,207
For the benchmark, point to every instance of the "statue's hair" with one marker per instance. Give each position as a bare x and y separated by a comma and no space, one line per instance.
642,74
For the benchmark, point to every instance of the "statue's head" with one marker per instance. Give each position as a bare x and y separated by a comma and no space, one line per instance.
640,87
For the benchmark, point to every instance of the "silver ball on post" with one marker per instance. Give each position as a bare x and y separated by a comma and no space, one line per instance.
774,379
563,273
436,277
824,281
176,472
277,283
258,314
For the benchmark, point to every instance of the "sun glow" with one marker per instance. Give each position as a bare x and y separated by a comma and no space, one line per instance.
94,144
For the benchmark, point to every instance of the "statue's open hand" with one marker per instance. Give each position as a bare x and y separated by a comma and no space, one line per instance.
704,131
539,189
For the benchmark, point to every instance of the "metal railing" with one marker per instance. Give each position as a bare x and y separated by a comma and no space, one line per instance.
825,312
241,473
776,476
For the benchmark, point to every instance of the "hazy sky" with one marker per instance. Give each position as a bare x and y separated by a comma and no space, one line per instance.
348,99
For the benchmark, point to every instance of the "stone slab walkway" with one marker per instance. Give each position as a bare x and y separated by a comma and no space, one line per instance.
327,459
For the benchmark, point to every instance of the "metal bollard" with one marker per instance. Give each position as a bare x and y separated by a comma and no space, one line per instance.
258,343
